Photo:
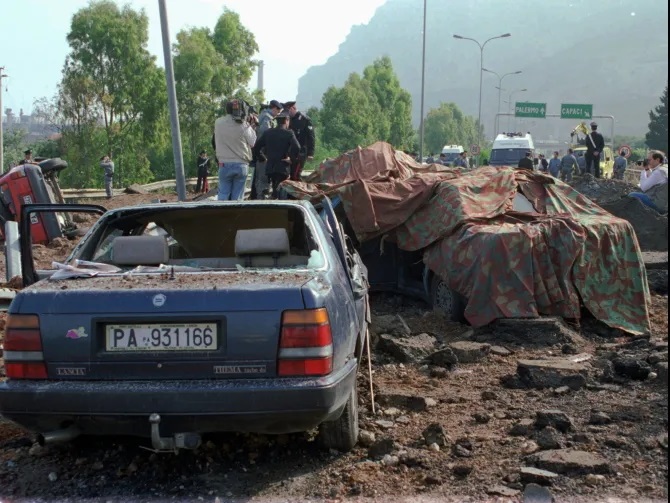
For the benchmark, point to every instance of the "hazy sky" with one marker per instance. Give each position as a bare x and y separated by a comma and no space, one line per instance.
292,35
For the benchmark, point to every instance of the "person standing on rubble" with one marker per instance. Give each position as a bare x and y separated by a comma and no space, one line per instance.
554,165
654,183
202,171
107,164
595,143
302,126
462,160
260,186
619,168
568,166
234,136
581,163
281,147
526,162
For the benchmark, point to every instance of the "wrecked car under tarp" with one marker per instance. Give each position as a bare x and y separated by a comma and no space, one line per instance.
507,263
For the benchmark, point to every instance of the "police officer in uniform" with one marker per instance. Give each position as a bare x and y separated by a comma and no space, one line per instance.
595,143
27,157
304,132
281,148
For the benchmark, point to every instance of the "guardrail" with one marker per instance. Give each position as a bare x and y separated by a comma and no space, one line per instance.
149,187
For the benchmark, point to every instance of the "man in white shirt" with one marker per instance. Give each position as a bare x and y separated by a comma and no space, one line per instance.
654,183
234,136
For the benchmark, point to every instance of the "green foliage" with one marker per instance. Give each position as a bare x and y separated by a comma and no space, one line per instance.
47,148
321,151
657,137
632,141
236,45
446,125
211,68
13,145
111,80
367,109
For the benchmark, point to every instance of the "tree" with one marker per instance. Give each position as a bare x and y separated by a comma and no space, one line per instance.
209,69
657,137
368,109
395,119
110,78
236,45
353,115
446,125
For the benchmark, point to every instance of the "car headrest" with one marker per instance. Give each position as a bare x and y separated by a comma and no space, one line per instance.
140,250
261,242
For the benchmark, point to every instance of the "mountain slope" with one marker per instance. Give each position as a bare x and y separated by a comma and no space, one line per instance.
610,53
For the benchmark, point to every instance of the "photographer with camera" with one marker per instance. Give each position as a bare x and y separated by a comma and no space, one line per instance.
234,137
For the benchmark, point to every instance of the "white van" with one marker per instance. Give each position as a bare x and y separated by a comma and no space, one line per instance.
509,148
451,153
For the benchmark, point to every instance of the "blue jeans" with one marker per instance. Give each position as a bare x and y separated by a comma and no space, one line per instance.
644,199
232,178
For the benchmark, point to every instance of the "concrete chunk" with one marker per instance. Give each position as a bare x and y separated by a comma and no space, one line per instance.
570,462
552,373
410,349
469,352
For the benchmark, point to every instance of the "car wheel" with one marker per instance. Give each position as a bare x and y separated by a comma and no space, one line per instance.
53,165
447,301
342,433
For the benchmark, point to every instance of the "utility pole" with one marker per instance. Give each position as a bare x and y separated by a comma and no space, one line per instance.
2,140
172,105
423,83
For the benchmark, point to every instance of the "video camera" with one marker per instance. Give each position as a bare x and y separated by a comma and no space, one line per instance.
242,111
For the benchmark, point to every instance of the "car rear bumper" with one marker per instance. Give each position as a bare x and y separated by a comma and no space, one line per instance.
123,407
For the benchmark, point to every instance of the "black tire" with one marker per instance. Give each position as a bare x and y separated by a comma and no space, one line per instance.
53,165
444,299
342,433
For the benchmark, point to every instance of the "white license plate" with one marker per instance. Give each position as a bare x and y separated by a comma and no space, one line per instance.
162,337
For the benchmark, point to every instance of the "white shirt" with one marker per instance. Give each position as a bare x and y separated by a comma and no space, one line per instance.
658,176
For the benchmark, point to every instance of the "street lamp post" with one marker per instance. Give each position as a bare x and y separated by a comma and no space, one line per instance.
481,66
423,77
500,79
509,103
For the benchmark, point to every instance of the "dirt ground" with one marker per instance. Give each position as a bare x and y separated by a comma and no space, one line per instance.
612,425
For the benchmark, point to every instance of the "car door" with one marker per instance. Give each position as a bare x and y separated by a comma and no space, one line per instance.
29,272
351,262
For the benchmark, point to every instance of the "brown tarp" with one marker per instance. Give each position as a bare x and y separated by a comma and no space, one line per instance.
506,263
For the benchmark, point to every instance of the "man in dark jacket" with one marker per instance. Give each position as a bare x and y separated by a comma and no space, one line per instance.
304,133
526,162
595,143
281,146
203,172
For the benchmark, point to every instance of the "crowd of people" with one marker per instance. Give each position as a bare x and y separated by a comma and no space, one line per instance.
277,143
653,174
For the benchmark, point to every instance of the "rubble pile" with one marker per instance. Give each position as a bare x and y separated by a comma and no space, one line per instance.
650,227
602,190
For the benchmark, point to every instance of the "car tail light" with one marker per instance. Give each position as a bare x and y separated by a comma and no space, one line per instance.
23,348
306,344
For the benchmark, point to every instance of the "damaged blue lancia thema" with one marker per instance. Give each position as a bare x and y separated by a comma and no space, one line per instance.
173,320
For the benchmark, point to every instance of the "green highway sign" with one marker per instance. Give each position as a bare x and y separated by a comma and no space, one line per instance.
533,110
576,111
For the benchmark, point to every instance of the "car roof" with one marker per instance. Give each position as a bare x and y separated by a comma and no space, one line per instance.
213,204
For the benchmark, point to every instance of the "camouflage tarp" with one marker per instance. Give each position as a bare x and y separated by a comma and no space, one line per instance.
506,263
